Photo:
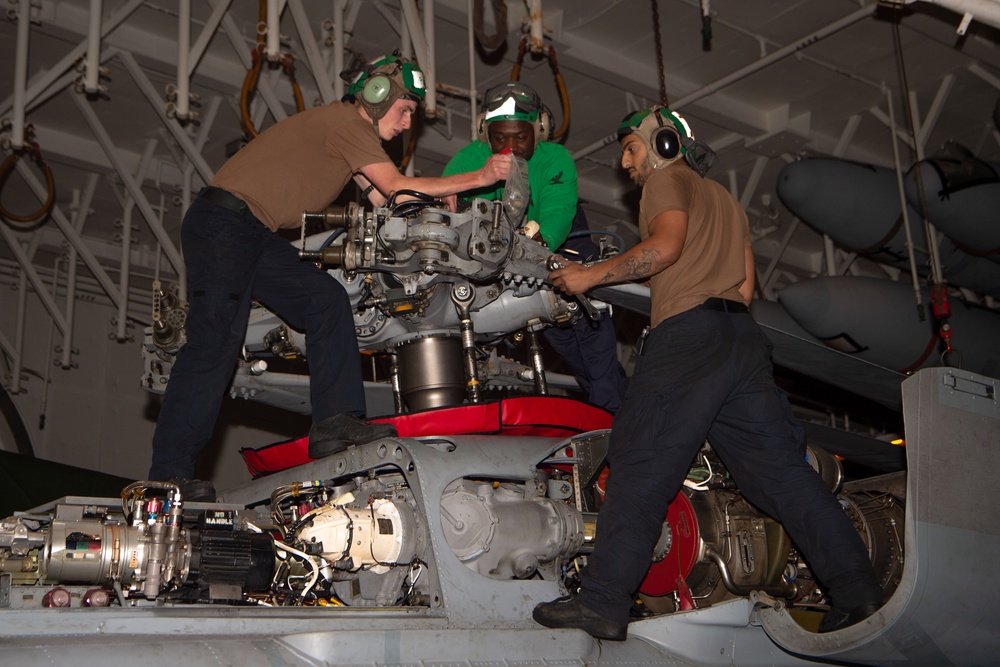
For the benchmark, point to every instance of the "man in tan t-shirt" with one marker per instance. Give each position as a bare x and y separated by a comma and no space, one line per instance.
232,256
703,373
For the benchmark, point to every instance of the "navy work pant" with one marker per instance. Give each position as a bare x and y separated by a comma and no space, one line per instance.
707,374
232,258
590,350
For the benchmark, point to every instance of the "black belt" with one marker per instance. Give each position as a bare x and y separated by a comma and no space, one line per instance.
220,197
724,305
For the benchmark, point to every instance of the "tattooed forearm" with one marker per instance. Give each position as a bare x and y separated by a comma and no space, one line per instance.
634,266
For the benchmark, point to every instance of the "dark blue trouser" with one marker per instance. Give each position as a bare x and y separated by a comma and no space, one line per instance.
707,374
232,259
590,350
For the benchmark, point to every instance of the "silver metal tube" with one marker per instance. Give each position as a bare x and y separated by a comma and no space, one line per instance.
541,386
20,74
92,71
183,102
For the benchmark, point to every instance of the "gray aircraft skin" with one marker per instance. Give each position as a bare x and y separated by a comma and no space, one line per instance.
469,514
435,549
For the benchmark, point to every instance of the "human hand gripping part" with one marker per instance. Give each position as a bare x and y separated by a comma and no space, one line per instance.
574,278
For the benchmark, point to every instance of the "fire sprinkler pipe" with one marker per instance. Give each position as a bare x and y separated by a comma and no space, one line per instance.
183,101
20,74
273,43
92,70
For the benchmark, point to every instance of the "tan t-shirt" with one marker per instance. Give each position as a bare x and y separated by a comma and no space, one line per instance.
712,261
301,163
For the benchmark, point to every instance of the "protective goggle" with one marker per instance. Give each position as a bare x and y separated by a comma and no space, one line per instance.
511,101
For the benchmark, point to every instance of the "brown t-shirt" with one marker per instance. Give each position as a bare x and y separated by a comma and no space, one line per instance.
301,163
712,261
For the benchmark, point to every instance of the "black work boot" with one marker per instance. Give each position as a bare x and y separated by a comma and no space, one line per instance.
838,619
195,490
569,612
336,433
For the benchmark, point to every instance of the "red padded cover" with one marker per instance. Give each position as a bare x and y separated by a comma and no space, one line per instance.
549,416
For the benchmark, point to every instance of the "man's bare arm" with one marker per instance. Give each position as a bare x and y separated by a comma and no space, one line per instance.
659,250
387,179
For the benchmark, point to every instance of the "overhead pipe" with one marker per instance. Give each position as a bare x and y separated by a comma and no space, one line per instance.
430,75
18,357
43,80
311,49
424,51
272,30
36,281
169,249
20,74
205,36
914,275
7,348
264,87
125,266
82,204
743,72
473,102
536,31
934,113
92,63
338,47
85,287
765,277
124,274
937,275
153,97
182,103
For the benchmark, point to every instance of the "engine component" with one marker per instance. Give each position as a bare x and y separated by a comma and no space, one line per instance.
430,372
400,266
394,527
375,538
501,533
143,554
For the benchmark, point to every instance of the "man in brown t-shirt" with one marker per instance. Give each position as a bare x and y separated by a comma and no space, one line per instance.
703,373
232,256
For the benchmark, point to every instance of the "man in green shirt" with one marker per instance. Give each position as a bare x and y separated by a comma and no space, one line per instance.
513,119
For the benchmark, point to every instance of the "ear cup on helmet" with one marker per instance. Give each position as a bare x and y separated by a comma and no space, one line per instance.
666,143
376,89
481,132
543,126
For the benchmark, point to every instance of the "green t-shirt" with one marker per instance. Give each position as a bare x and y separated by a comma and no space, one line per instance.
551,178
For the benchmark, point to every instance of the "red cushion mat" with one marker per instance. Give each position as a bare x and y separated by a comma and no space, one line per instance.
549,416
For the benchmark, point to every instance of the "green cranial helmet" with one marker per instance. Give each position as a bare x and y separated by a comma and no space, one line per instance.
516,101
668,137
385,80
